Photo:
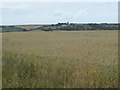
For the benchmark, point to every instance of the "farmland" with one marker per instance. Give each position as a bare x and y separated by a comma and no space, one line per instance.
60,59
60,27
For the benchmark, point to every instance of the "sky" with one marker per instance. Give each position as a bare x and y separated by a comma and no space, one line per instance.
20,13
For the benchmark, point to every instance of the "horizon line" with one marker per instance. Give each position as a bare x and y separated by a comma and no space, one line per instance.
56,23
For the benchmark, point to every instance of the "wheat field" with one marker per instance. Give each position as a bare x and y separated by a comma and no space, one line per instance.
60,59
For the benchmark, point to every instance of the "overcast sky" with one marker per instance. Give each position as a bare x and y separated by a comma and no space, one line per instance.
54,12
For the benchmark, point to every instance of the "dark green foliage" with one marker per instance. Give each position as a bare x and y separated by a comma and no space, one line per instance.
90,27
75,27
64,26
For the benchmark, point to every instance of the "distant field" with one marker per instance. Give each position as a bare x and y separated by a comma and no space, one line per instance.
29,27
0,29
60,59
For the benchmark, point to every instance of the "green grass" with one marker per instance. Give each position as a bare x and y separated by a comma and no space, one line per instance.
11,29
60,59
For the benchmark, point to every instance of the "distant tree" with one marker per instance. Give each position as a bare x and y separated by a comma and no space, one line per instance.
11,26
24,30
49,29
